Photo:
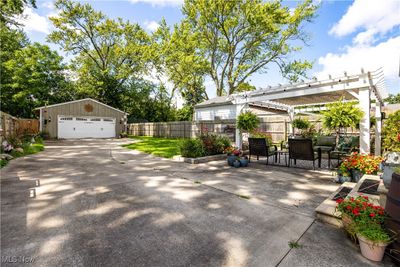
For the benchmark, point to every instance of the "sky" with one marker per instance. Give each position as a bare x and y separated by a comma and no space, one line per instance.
345,35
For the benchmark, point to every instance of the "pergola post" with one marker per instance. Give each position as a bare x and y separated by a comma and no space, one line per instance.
291,118
365,104
238,134
378,128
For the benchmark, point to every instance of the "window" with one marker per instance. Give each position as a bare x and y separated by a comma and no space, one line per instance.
81,119
108,120
96,119
66,119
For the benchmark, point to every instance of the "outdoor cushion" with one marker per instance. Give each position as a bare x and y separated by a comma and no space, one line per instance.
326,141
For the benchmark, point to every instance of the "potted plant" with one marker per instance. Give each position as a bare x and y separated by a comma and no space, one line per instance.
354,210
359,164
373,240
247,122
301,124
244,161
230,157
341,115
236,163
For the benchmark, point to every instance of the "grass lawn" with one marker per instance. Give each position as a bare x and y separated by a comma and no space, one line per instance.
158,146
28,150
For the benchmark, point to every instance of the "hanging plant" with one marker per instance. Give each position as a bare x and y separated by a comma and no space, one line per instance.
247,122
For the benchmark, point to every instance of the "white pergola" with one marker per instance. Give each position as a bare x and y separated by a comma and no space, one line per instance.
363,87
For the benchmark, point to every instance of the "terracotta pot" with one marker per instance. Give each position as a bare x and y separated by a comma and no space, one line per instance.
370,250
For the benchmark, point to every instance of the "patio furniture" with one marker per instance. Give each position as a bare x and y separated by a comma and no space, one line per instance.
260,147
346,145
326,143
302,149
284,153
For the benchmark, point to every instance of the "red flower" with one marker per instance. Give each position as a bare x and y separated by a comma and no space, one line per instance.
348,207
372,215
356,211
366,197
339,200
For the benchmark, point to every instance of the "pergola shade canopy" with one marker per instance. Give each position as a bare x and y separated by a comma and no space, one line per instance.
362,87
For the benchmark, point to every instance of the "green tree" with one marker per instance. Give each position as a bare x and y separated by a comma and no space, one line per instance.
11,8
393,99
110,53
179,59
241,37
35,77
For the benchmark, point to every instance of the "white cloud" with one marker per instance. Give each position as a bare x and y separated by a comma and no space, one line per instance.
32,21
371,17
385,54
159,2
48,5
151,25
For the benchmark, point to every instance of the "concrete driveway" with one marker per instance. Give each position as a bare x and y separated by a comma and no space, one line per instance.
94,203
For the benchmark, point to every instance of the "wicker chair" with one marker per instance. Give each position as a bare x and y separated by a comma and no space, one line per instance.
302,149
260,147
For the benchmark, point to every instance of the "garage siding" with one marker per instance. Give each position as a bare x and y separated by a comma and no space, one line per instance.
78,109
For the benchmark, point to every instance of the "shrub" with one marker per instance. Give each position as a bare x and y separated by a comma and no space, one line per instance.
391,133
247,122
301,124
192,148
265,135
204,145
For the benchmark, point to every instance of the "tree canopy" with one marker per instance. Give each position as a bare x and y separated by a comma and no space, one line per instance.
109,53
241,37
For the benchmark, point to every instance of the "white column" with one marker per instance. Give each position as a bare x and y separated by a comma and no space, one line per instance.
291,118
41,120
238,135
365,104
378,128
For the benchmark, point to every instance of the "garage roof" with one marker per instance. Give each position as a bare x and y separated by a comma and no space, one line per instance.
75,101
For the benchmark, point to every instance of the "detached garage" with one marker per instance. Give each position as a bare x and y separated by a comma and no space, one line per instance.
85,118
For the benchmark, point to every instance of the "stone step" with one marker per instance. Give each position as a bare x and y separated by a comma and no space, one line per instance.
326,211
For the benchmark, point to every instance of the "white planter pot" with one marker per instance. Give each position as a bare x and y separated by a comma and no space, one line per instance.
370,250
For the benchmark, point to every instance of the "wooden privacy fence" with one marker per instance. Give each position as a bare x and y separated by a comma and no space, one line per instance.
16,126
277,126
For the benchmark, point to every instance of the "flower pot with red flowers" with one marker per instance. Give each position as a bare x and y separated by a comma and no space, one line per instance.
373,240
354,210
359,164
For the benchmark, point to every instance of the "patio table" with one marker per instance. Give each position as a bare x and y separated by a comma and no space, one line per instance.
285,153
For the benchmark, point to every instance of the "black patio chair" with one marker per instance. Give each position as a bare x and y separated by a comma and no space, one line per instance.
260,147
302,149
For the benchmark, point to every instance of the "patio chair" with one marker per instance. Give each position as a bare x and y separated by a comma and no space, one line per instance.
346,145
302,149
260,147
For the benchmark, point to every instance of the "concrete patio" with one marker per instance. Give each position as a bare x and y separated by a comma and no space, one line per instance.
94,203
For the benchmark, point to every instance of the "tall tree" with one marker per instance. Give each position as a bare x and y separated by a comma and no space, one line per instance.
241,37
9,9
178,58
109,52
35,77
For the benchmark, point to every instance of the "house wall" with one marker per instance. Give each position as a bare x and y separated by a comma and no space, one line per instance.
78,109
225,112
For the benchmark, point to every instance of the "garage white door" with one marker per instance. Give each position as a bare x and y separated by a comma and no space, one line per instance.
85,127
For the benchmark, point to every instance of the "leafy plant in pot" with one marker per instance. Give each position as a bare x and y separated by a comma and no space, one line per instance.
373,239
301,124
247,122
354,210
